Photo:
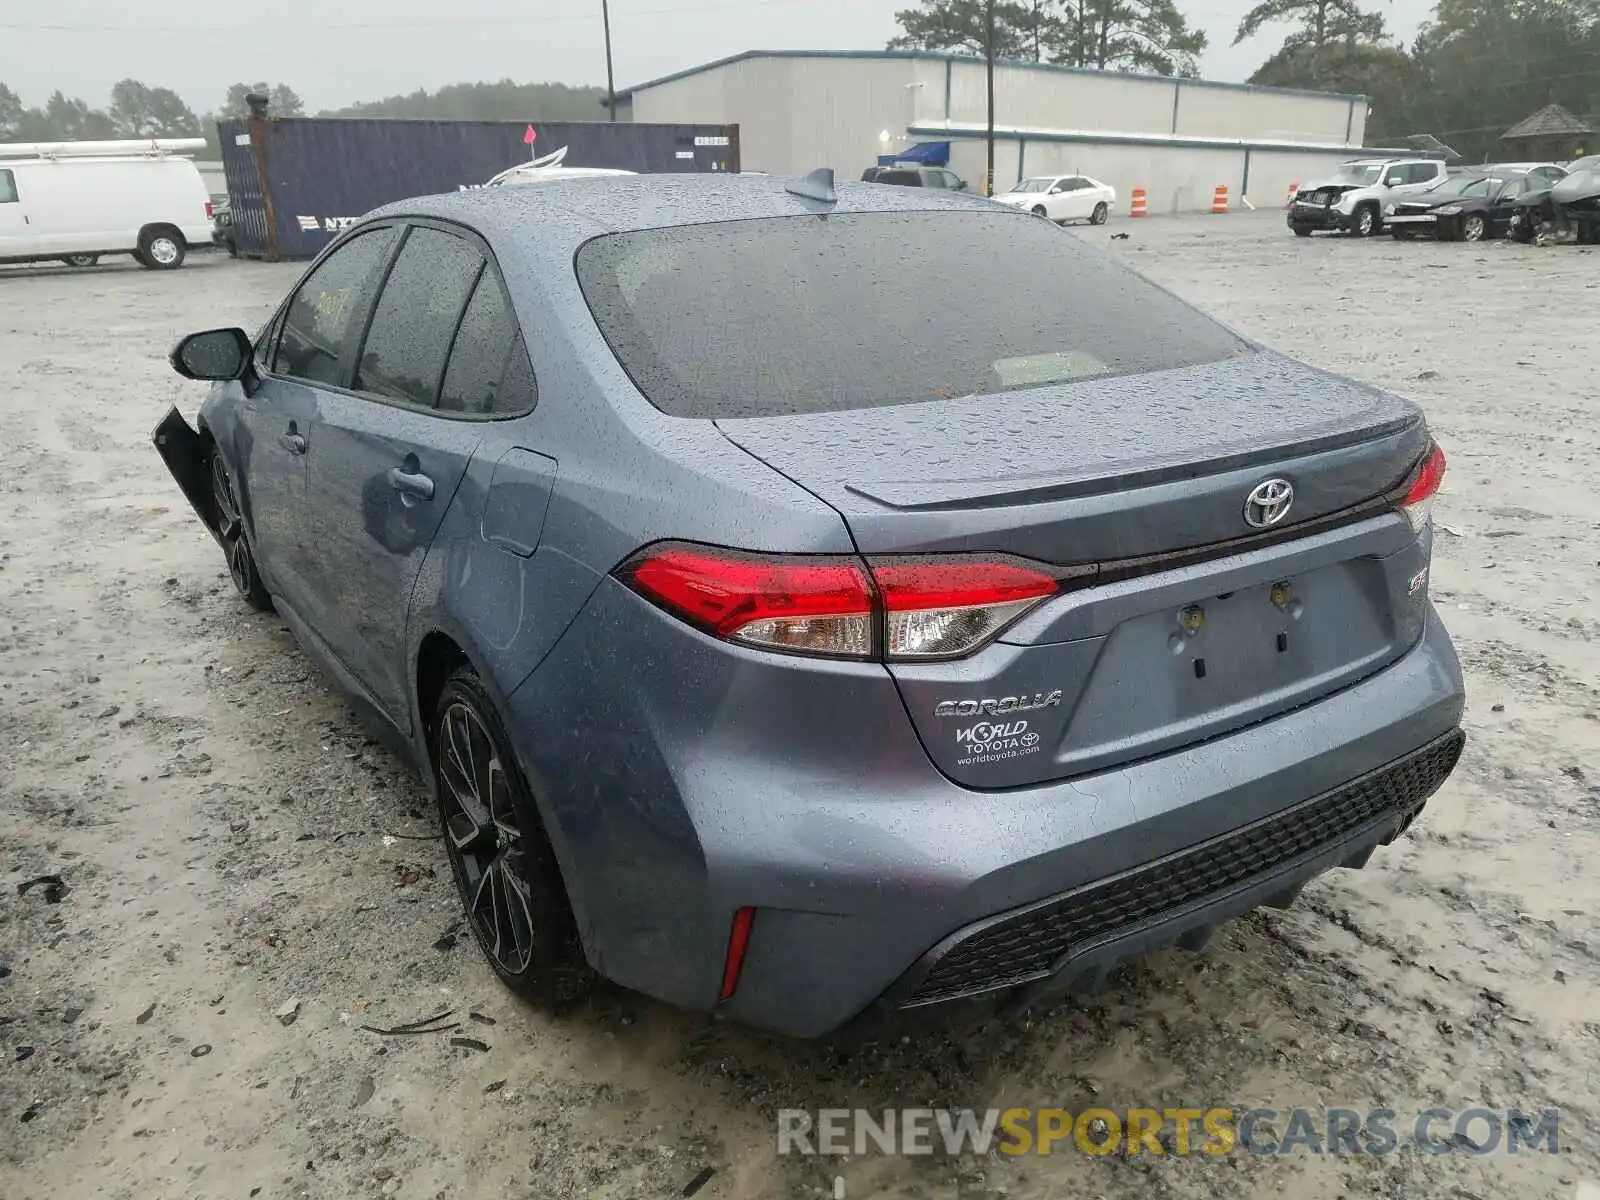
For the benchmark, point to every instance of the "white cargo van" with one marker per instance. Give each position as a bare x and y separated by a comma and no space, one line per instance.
75,201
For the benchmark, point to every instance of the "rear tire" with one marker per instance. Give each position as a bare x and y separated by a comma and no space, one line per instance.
81,260
161,248
505,869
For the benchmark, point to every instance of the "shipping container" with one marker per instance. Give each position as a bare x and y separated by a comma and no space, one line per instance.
295,182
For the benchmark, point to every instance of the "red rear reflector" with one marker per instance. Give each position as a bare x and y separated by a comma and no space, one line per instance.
738,943
210,210
808,605
1428,479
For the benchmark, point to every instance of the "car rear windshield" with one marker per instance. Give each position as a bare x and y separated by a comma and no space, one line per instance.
807,314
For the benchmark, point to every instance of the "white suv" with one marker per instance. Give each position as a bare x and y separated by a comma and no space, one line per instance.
1354,199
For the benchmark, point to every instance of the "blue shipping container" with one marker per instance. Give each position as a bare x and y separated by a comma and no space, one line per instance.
293,183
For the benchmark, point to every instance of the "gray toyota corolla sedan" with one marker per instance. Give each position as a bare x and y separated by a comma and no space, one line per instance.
814,605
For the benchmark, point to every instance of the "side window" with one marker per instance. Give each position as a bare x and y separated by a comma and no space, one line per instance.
1426,172
416,316
489,372
318,328
8,188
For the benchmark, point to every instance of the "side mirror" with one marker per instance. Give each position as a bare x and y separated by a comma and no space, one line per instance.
217,354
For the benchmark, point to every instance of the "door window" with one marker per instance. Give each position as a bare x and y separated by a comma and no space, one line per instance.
489,373
415,320
319,327
8,187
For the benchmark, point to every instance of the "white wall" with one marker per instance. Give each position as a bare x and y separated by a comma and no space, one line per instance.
795,114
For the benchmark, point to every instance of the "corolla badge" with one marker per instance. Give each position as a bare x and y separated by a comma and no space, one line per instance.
1268,503
996,708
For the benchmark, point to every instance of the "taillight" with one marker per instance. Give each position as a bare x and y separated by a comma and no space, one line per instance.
211,210
936,606
805,605
1418,501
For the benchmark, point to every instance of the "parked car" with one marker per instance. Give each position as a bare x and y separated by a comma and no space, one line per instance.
63,204
1467,207
901,646
911,176
1569,207
1062,198
1353,200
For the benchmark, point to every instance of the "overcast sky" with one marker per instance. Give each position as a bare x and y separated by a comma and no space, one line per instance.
376,48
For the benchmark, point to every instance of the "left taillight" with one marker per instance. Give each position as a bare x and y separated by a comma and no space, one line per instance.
1417,504
837,606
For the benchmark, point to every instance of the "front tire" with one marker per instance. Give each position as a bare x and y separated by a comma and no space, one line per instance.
161,249
1039,211
1473,228
81,260
1301,230
505,869
1365,221
1100,213
235,541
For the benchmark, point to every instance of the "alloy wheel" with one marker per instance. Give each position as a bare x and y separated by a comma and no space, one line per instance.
483,835
1472,228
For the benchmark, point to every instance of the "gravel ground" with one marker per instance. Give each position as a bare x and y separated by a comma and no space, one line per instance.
229,840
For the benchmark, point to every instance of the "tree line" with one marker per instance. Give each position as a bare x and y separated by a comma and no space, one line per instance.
137,110
1475,68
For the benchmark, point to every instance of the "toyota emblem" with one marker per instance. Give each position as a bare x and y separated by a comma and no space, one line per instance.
1268,503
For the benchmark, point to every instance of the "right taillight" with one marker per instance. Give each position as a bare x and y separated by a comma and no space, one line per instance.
836,606
1417,503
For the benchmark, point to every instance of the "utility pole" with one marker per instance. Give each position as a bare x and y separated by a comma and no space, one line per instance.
611,83
988,47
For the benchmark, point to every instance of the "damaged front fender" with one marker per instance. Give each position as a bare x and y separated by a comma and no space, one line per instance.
188,458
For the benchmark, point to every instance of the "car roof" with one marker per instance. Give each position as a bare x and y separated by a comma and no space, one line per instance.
573,211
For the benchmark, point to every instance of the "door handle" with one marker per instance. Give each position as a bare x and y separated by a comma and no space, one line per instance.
411,486
292,442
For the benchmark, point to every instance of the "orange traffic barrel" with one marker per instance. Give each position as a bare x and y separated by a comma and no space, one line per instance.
1219,199
1138,209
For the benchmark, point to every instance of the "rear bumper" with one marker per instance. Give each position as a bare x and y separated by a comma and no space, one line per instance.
1070,942
684,779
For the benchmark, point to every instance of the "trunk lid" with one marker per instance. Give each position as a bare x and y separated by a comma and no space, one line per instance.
1120,469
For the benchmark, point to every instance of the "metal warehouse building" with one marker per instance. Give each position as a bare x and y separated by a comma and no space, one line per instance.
1177,138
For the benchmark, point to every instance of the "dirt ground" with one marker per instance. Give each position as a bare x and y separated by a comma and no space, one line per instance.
230,841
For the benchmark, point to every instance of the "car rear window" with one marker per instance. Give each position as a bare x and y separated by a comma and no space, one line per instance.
803,314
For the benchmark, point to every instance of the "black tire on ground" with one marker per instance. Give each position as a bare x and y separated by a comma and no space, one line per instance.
236,546
505,869
161,248
81,260
1100,213
1474,228
1301,230
1364,222
1402,235
1038,211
